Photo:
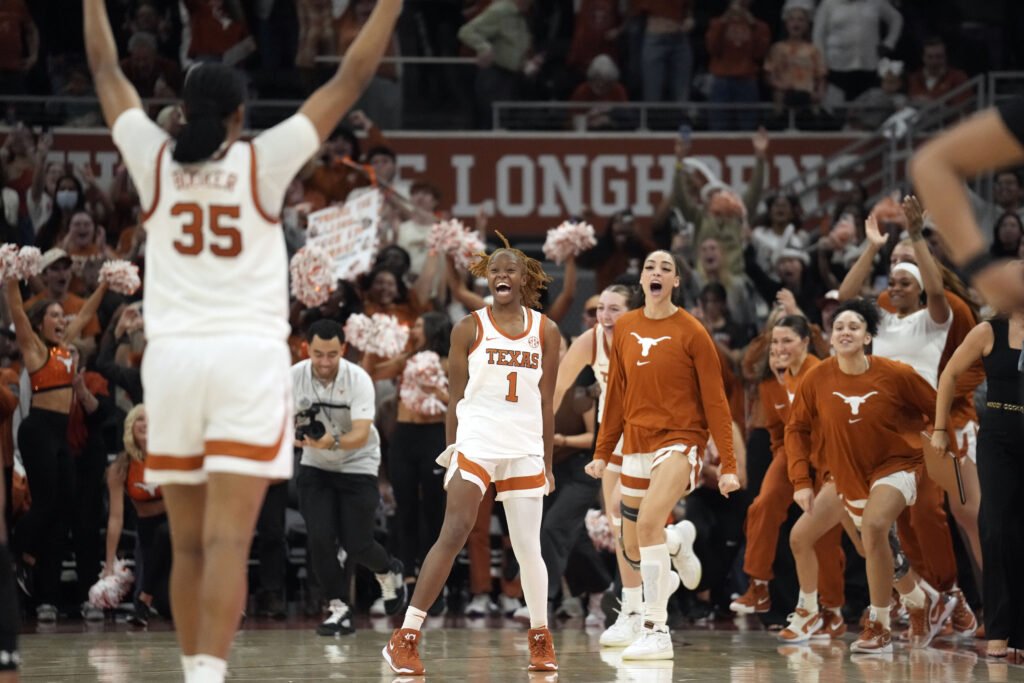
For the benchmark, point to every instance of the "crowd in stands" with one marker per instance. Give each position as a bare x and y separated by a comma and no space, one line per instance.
802,59
748,258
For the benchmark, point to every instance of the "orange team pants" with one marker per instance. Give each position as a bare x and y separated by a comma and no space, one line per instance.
924,535
767,514
479,547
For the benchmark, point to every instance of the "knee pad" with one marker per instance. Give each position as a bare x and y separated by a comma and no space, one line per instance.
629,513
635,564
900,563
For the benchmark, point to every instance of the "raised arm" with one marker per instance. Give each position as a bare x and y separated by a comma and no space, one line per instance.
463,335
461,293
116,92
560,306
333,99
752,195
976,344
89,309
854,281
935,293
33,350
580,351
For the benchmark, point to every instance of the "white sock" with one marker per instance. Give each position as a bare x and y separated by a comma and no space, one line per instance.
632,599
188,665
915,599
929,591
655,566
414,618
880,614
759,582
208,669
809,601
838,611
524,517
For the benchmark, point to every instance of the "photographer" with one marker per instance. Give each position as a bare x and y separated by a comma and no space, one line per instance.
337,477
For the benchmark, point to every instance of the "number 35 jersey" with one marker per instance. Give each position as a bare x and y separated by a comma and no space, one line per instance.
216,261
500,412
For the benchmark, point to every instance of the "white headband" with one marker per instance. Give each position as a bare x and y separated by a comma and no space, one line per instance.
911,268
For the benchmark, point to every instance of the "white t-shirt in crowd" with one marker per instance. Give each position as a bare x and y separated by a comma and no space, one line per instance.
916,340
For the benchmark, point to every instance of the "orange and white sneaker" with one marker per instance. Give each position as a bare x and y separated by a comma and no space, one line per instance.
542,650
832,626
802,625
963,620
926,622
875,638
402,652
755,601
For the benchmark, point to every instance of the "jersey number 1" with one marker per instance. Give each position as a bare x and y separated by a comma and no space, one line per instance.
511,397
230,244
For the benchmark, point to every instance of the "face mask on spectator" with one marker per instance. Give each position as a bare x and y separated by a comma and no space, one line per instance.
67,199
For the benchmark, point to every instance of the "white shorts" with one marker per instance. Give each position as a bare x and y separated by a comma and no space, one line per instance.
637,468
904,482
615,462
517,477
967,441
217,404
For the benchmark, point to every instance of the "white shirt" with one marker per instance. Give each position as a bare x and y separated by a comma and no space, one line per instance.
846,32
216,261
916,340
349,396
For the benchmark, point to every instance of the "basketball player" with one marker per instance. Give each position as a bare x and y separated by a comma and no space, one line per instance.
216,372
592,348
502,368
665,394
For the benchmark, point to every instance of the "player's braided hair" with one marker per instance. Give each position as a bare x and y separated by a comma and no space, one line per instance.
534,277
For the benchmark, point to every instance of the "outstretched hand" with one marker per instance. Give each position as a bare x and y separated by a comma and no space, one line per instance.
873,234
914,213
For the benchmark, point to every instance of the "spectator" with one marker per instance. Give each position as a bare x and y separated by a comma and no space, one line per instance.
151,74
602,85
43,191
19,46
383,161
86,246
316,35
741,299
847,33
9,204
666,54
1007,197
412,234
120,353
84,115
875,106
736,43
69,198
797,286
219,32
782,231
500,36
1008,233
934,79
795,66
328,174
158,22
620,249
714,313
382,98
56,280
595,31
18,163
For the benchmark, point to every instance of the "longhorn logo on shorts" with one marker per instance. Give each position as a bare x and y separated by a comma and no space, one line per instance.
855,402
646,344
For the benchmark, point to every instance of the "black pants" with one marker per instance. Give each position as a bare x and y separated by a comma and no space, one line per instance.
271,548
339,510
1001,526
89,515
418,485
563,525
9,625
719,523
43,531
154,546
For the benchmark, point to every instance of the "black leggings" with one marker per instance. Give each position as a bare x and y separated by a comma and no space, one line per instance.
339,511
43,531
1001,525
9,626
418,484
155,552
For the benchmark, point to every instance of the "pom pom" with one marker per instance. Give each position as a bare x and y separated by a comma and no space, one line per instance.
599,530
121,276
453,239
423,373
8,260
28,263
381,335
570,239
312,275
109,591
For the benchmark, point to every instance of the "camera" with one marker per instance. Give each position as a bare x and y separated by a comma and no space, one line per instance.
306,424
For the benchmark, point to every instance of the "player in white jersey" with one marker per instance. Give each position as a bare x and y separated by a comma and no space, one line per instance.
592,348
216,297
502,368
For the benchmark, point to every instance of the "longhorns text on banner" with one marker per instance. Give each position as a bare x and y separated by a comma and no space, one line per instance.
348,233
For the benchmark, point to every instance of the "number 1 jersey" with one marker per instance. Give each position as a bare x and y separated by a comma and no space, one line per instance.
216,261
500,412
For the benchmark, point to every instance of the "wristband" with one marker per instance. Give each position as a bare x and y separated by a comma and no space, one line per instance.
978,263
938,429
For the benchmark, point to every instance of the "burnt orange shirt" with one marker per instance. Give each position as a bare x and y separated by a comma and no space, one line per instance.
777,399
664,388
861,420
136,486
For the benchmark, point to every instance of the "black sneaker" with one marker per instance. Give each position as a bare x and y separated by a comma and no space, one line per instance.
140,615
339,623
392,587
24,575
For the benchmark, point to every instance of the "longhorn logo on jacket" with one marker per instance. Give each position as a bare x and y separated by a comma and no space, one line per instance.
647,343
855,402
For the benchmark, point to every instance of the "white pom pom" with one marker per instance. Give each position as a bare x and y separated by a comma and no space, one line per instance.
358,331
599,530
381,335
8,260
422,373
453,239
312,275
121,276
109,591
568,240
28,263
